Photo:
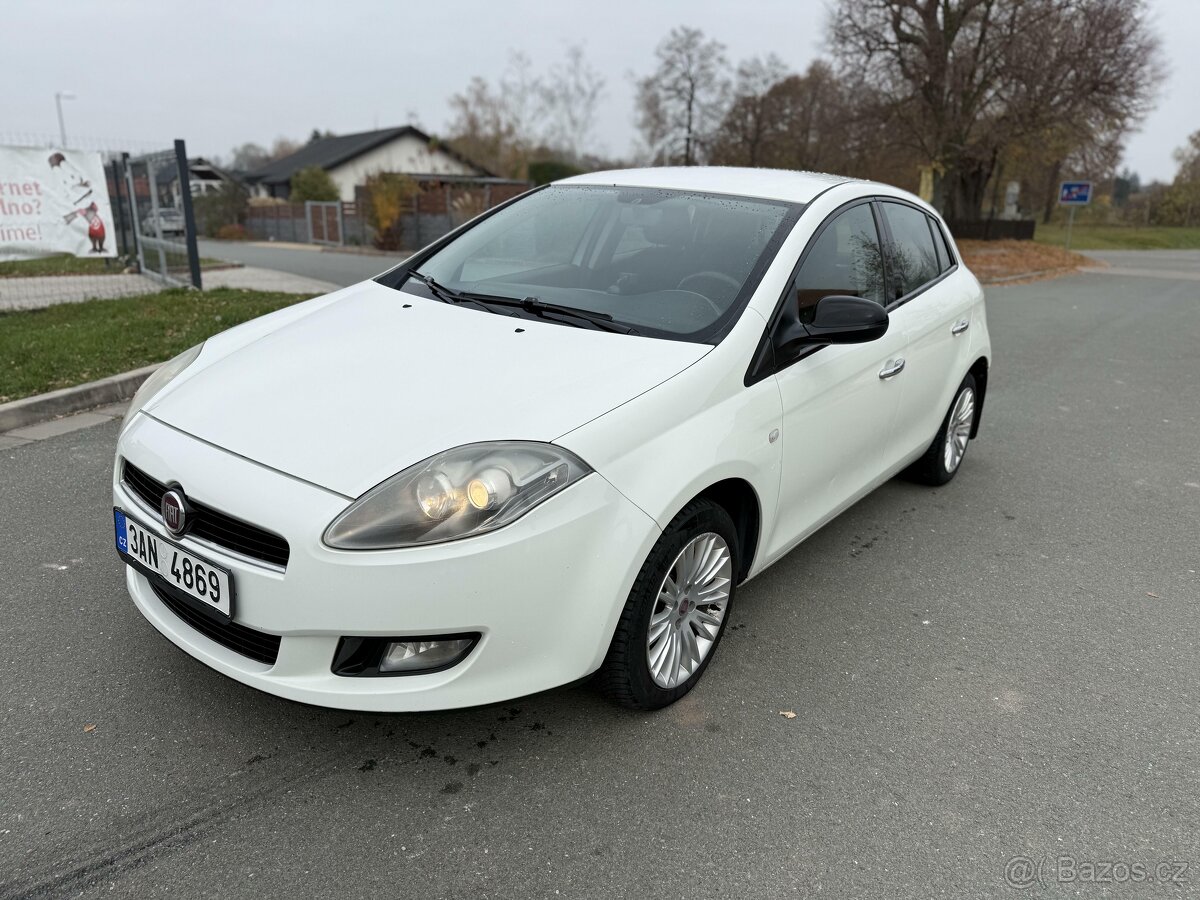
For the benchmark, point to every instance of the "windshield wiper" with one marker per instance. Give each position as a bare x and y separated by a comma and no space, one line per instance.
439,290
600,320
603,321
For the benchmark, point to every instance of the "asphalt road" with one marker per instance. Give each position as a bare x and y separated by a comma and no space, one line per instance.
340,268
1005,667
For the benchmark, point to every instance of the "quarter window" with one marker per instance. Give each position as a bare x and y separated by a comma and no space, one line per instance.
939,246
942,243
845,260
912,259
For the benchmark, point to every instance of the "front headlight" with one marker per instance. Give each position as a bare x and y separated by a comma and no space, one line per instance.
462,492
159,379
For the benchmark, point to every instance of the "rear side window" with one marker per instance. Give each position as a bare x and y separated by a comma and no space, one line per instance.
912,258
942,242
845,260
939,246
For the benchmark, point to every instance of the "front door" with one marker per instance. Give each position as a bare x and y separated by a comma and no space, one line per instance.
839,401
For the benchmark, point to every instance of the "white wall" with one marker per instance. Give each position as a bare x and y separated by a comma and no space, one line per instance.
407,153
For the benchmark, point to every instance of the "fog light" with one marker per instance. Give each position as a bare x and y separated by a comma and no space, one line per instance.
414,656
366,657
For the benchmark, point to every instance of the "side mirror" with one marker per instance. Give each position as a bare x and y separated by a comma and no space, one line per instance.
837,320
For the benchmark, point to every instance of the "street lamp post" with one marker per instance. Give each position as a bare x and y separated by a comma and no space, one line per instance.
59,97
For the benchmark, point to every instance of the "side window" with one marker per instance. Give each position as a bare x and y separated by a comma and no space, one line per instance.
942,240
845,260
912,260
939,246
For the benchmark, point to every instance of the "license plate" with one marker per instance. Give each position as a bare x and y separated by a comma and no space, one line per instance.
200,579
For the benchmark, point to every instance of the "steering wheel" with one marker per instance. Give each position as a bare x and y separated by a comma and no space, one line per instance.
711,276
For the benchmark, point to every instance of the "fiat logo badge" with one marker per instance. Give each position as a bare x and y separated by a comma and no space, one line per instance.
175,511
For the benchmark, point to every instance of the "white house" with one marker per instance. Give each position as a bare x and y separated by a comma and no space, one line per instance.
350,158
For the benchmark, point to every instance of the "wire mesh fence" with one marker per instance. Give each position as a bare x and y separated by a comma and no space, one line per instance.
130,207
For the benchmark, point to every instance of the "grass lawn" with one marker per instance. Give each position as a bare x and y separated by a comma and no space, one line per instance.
72,343
65,264
1119,237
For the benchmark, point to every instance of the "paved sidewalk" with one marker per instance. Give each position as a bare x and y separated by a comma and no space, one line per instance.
254,278
38,293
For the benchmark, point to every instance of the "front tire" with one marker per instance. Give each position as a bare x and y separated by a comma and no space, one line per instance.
676,612
944,457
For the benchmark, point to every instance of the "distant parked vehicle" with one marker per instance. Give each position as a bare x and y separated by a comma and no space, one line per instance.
166,222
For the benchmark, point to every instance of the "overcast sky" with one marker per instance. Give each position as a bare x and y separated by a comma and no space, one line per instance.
220,73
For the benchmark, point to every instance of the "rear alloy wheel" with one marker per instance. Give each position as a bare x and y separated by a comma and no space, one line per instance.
676,612
945,455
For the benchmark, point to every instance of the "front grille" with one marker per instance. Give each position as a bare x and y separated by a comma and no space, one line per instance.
256,645
213,525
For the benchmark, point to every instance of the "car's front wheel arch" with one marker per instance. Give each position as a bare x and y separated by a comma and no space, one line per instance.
738,498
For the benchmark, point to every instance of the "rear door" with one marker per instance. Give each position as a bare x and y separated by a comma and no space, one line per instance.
838,404
926,303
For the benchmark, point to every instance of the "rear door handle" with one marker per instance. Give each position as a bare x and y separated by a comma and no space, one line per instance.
959,327
894,367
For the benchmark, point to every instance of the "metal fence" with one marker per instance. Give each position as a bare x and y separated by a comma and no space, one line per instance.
157,198
439,206
151,251
333,223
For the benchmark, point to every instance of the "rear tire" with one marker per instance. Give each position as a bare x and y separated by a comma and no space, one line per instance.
676,611
944,457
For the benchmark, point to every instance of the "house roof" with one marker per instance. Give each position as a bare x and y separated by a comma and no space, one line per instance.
169,174
328,153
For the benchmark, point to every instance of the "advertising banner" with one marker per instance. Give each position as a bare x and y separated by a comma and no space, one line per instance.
53,201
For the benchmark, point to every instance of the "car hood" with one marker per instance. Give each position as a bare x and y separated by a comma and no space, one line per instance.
360,388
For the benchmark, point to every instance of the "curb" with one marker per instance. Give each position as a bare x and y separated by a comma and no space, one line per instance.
1033,273
400,255
39,408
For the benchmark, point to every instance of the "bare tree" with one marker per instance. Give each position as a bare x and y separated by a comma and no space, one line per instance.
569,95
783,120
1181,201
494,126
248,157
1188,157
682,101
745,128
962,81
526,114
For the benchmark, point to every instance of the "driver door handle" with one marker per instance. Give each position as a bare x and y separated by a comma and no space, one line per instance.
893,367
959,327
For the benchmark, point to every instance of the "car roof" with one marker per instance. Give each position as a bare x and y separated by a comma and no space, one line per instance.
773,184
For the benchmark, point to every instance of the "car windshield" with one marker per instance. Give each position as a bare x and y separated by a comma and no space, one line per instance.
665,263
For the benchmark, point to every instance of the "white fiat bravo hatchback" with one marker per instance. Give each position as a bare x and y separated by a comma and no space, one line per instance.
550,445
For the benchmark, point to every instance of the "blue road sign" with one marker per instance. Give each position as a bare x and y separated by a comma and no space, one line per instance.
1075,193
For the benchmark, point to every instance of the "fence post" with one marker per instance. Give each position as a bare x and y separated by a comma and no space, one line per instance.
135,224
119,208
189,215
417,217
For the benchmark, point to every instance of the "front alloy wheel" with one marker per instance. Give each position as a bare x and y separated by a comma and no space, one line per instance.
676,612
689,610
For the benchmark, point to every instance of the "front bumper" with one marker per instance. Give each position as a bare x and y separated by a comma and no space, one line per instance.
544,592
